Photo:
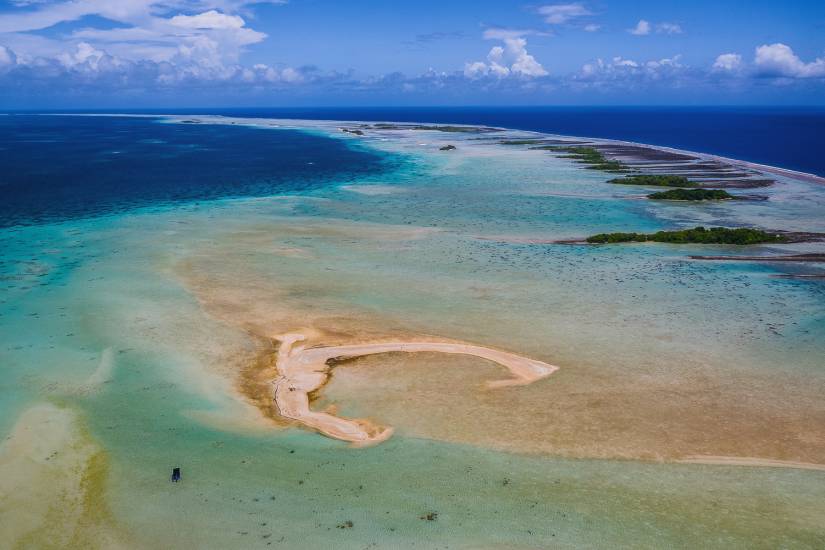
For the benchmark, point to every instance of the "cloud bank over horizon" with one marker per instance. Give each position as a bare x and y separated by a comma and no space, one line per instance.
139,48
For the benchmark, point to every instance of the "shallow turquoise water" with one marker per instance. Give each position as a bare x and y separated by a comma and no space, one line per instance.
478,269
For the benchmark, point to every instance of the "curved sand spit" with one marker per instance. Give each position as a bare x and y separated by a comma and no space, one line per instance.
303,370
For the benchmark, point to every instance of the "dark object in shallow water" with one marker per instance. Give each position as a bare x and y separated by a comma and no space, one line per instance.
175,475
447,148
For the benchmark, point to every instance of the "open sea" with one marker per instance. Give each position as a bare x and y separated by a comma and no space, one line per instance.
788,137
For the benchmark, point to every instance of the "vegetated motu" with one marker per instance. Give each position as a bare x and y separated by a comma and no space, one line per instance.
663,180
698,235
587,155
692,195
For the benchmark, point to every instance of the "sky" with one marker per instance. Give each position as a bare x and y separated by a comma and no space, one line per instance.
242,53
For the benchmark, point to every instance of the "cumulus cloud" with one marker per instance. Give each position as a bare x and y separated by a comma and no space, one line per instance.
85,54
146,30
728,62
642,28
148,46
511,58
211,19
629,72
558,14
780,60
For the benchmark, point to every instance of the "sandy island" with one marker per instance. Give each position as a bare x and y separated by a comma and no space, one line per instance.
302,371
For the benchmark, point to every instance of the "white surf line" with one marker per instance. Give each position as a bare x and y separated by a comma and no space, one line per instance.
302,370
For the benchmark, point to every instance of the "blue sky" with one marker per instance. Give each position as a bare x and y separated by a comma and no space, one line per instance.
143,53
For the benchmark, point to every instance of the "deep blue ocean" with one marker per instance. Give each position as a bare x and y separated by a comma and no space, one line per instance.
788,137
60,167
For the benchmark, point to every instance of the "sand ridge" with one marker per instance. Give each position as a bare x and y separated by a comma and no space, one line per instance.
304,370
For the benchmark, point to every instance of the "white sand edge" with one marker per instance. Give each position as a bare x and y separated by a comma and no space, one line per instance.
302,371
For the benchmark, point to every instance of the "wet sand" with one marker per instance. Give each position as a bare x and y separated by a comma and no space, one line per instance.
607,404
751,462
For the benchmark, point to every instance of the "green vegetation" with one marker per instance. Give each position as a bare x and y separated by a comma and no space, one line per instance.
655,180
587,155
692,195
697,235
447,148
349,131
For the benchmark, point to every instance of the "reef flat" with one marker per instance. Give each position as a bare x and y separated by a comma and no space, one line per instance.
536,395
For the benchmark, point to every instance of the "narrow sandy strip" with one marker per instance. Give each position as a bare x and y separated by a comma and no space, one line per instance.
750,461
301,371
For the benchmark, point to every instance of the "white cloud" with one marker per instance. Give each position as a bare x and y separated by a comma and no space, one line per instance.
84,54
642,28
558,14
728,62
7,58
780,60
476,69
629,73
158,45
208,20
510,59
592,27
204,32
668,28
664,62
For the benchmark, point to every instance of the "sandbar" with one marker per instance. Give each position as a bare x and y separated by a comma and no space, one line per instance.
304,370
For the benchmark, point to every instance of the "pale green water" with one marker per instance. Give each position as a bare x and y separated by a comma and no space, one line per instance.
638,313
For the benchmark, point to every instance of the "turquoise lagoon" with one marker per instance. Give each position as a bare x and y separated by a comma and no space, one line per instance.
127,328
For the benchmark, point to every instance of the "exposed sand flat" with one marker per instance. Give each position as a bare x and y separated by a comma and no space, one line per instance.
750,461
301,371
